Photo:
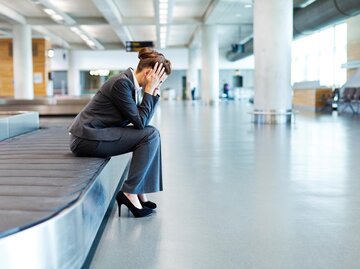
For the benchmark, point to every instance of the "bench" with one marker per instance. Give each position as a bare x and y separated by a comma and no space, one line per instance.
52,203
350,98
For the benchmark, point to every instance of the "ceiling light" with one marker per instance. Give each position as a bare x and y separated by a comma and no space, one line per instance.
99,72
163,20
163,1
163,5
163,12
104,72
83,37
75,30
90,43
248,6
49,11
50,53
57,17
163,29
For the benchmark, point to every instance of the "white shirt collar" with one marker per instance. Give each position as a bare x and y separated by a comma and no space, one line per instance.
136,83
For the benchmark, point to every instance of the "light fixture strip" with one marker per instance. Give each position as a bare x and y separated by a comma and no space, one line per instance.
55,14
88,40
163,20
63,18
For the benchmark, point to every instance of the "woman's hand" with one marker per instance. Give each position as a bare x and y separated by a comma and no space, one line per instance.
154,78
162,79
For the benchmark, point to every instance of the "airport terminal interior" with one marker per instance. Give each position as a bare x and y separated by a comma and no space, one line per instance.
259,126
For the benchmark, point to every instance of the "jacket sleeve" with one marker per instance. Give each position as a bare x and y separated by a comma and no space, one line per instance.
121,95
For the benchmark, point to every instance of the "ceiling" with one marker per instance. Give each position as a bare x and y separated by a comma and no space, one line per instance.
109,23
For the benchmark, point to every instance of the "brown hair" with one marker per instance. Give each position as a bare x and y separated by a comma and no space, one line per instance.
149,57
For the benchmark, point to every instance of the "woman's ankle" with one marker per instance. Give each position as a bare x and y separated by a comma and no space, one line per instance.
133,199
142,197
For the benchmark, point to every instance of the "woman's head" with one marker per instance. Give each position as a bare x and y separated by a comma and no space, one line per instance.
149,57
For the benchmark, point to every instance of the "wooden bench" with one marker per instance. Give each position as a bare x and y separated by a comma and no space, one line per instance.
51,202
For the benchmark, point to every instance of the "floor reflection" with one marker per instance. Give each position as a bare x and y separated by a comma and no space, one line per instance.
239,195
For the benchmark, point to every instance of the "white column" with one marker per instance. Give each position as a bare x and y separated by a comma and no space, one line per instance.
210,64
23,62
73,76
273,34
193,72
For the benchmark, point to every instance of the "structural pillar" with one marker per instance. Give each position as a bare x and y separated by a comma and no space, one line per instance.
193,72
210,64
273,34
73,76
23,62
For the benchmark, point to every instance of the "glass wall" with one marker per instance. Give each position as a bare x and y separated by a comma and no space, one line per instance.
319,56
91,80
59,82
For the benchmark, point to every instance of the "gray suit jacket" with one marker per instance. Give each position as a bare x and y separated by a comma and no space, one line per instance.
113,107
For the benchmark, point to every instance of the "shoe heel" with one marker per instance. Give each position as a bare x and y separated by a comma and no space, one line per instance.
119,207
137,212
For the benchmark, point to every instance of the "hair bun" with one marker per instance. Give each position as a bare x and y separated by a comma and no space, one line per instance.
145,53
149,57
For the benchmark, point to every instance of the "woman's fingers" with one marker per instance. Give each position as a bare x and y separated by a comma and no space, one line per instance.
158,70
156,66
162,72
163,77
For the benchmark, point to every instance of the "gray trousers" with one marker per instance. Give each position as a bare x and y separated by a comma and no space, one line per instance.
145,173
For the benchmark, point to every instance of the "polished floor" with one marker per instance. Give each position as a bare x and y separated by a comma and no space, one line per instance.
239,195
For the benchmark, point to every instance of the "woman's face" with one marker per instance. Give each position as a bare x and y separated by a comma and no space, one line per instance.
142,75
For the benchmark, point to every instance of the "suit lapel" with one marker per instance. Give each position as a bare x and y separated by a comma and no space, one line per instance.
129,75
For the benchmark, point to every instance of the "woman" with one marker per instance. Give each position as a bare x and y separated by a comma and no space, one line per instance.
115,122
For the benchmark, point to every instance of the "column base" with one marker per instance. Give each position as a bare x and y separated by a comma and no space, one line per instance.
272,116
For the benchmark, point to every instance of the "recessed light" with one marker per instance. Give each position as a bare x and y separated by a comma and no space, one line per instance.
50,53
248,6
90,43
163,5
75,30
163,12
49,11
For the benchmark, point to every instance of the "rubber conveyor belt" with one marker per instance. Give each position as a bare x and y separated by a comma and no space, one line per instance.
39,177
52,197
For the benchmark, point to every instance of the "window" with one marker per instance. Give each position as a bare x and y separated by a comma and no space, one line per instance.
319,56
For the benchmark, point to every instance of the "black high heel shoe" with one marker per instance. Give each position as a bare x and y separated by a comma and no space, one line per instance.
148,204
137,212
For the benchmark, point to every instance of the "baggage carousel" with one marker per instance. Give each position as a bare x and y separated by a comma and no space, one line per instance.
17,122
51,203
